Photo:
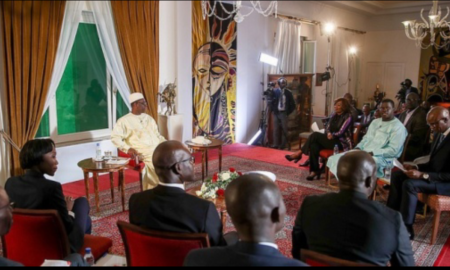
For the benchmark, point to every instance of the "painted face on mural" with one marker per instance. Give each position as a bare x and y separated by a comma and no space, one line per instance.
211,67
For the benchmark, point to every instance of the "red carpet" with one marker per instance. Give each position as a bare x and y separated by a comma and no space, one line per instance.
293,185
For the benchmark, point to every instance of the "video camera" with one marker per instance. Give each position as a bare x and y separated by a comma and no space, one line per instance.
270,91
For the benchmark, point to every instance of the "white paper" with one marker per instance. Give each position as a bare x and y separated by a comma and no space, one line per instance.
315,128
399,165
57,263
118,161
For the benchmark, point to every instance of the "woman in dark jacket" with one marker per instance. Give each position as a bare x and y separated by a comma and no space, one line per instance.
34,191
338,131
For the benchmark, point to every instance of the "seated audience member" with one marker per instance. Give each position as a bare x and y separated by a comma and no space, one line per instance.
384,139
168,207
34,191
426,106
348,225
355,112
377,114
257,210
414,119
366,120
6,220
338,131
430,178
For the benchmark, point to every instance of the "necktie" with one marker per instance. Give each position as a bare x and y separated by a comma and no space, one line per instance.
441,140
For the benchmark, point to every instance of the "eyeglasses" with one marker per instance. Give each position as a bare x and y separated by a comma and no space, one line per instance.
10,205
191,160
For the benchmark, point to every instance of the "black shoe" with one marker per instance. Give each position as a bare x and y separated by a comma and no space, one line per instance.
313,177
305,164
410,230
296,160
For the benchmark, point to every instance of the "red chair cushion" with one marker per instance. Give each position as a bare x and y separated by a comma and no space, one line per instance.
152,251
326,153
132,162
32,239
99,245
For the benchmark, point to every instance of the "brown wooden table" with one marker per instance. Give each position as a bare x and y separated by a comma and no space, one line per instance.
90,166
219,202
216,144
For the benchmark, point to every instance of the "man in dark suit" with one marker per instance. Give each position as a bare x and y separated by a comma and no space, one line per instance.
347,225
283,104
415,120
409,88
257,210
168,207
366,120
430,178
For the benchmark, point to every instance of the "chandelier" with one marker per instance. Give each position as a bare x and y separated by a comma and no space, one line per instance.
418,31
209,9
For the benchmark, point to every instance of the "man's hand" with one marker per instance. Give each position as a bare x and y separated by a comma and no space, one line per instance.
414,174
69,203
133,153
329,136
409,167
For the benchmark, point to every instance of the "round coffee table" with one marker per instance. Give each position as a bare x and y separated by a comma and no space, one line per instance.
90,166
215,144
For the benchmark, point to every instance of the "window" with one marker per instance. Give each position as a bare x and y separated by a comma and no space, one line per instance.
309,57
86,104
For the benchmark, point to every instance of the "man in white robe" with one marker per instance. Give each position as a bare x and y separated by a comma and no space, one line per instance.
384,139
137,135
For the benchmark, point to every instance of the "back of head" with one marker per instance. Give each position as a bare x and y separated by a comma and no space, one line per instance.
33,151
255,206
357,172
5,212
171,160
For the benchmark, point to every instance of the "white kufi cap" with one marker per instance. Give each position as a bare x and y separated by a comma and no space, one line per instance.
135,97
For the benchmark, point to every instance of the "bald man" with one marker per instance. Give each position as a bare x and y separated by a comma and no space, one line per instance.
168,207
430,178
257,210
347,225
415,120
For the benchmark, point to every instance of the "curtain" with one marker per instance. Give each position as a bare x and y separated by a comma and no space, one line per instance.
3,148
72,18
287,48
108,40
30,31
137,29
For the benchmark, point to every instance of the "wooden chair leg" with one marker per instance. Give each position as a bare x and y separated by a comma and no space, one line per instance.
374,194
436,219
327,176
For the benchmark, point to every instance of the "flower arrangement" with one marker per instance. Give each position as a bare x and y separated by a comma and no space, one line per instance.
215,186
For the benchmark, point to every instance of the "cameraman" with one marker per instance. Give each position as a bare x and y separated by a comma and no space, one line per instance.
282,106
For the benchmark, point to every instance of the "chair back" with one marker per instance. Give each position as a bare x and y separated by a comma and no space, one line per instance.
153,248
317,259
35,235
405,145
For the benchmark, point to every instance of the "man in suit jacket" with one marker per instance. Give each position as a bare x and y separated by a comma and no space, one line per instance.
430,178
409,88
365,122
415,120
347,225
283,104
168,207
257,210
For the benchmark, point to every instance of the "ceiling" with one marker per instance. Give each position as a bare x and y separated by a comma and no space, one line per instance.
386,7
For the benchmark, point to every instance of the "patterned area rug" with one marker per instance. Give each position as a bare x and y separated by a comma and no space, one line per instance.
294,188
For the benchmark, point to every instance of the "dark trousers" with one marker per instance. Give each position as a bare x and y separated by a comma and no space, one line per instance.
81,209
280,121
315,143
403,194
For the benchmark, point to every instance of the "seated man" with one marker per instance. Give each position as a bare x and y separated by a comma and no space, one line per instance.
430,178
137,135
384,139
257,210
349,226
6,220
414,119
366,120
168,207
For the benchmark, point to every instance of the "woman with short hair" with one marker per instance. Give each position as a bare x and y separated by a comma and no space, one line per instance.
33,191
338,131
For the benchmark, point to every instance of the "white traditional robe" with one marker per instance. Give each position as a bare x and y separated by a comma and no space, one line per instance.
139,132
384,139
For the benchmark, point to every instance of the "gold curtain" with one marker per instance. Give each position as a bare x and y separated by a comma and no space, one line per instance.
137,28
31,31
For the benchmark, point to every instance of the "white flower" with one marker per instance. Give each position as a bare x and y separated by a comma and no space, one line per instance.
204,188
199,193
225,176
